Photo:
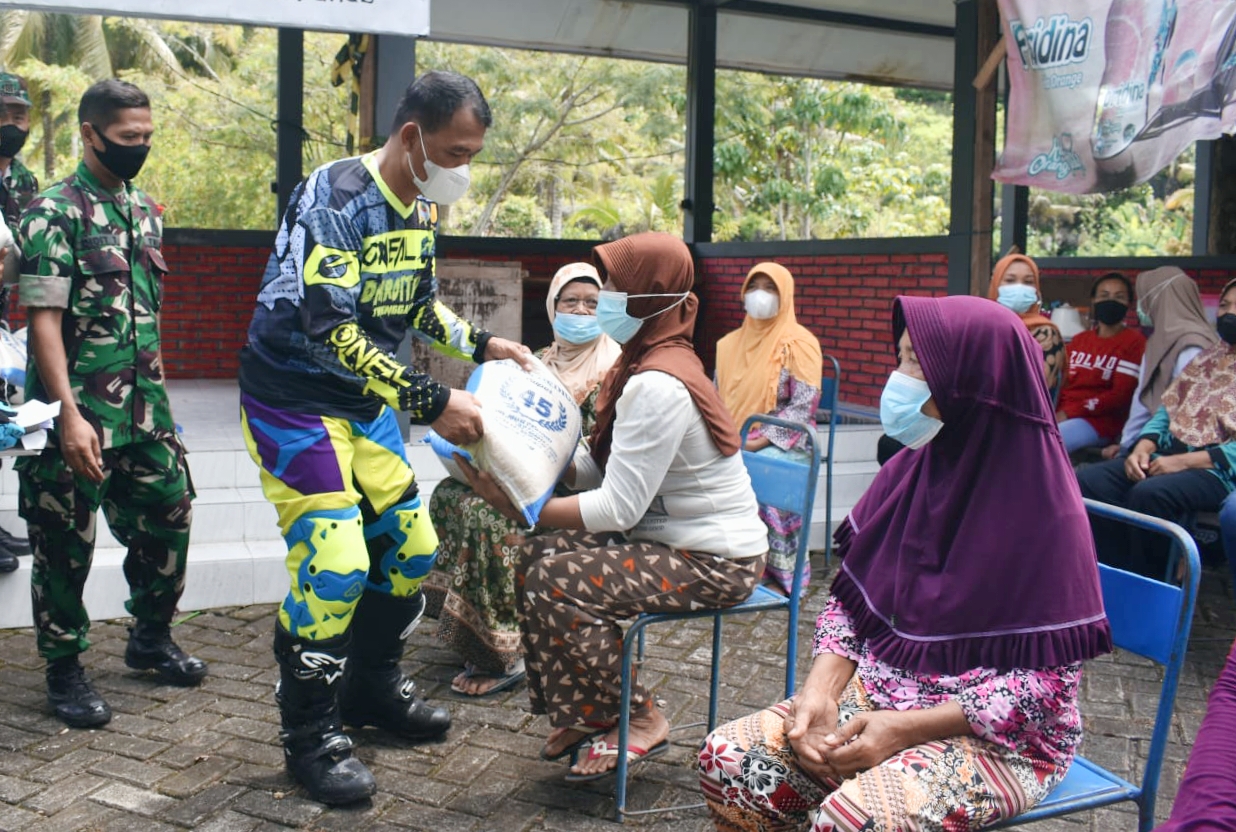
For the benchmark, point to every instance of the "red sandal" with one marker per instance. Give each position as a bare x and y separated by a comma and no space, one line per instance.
600,748
588,730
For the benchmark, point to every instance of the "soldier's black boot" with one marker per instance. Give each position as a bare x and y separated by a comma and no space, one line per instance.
317,752
375,691
151,648
71,696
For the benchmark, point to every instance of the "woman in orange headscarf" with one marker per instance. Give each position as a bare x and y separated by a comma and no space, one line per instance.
1015,285
772,364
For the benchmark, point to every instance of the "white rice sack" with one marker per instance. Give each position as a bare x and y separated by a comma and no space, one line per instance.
532,426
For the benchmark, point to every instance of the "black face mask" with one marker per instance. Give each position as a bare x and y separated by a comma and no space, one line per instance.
12,140
1110,312
1227,328
123,160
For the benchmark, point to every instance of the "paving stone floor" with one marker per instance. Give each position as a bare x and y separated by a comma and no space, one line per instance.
208,759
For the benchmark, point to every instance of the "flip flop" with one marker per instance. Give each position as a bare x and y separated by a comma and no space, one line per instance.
505,682
600,748
589,730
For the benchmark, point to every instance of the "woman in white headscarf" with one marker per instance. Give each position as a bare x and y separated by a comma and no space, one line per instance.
471,590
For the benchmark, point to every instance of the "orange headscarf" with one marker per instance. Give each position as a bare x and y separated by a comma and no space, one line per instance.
657,263
1032,317
750,359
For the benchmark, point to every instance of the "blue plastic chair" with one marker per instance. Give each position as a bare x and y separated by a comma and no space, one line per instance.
782,483
1152,619
830,395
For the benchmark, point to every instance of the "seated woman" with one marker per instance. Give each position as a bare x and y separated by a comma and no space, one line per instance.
1206,801
771,364
1015,285
667,519
1227,534
471,590
937,699
1182,463
1168,301
1103,365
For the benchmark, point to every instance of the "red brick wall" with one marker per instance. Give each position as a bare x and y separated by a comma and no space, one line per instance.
207,303
1210,278
844,299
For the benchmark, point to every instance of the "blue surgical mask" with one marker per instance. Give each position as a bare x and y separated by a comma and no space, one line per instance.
1144,318
901,411
616,323
577,329
1017,296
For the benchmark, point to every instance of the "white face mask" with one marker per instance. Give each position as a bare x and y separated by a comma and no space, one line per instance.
440,185
761,304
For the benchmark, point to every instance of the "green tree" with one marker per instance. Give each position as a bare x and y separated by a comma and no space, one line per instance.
798,158
41,44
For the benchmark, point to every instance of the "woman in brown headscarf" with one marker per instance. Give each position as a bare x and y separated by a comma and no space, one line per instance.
666,519
1169,301
1183,461
1015,285
471,589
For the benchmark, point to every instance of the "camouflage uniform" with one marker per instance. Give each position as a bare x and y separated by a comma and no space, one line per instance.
17,188
95,254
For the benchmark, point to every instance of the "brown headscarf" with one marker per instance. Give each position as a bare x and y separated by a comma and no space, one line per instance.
1171,299
1032,317
1201,401
657,263
750,359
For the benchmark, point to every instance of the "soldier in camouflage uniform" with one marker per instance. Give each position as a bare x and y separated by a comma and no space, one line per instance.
92,277
17,187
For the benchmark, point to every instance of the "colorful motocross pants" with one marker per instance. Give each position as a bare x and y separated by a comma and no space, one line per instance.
146,497
348,509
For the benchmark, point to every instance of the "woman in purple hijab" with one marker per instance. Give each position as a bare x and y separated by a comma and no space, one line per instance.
1206,801
943,694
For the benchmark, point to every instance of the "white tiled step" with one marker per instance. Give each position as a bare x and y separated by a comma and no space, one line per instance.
219,575
237,554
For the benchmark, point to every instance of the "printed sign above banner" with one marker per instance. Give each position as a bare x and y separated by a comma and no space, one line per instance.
387,17
1105,93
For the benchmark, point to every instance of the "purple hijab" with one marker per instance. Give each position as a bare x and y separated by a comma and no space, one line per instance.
1206,801
975,550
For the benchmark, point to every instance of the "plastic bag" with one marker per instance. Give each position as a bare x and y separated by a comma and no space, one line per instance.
13,364
532,427
446,453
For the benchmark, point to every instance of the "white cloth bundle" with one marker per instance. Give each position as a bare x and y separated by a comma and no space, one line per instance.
532,427
11,258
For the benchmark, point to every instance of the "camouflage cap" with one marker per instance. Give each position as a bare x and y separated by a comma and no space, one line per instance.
13,89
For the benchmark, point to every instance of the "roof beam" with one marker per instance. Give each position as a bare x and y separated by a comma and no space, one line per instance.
785,11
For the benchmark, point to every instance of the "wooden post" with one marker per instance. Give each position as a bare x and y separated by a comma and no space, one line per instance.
366,108
290,135
974,149
701,122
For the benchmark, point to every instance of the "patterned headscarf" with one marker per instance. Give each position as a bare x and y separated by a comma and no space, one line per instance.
1201,402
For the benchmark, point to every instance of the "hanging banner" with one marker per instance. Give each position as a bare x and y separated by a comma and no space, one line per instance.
1106,93
387,17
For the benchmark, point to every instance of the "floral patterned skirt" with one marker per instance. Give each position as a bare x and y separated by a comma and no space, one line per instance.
752,782
471,590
